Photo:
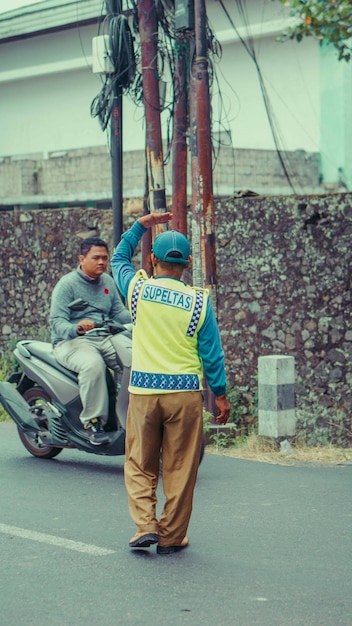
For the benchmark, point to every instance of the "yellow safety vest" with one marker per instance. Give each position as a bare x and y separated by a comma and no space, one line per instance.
167,315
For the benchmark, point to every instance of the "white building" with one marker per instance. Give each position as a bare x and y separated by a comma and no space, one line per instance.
47,87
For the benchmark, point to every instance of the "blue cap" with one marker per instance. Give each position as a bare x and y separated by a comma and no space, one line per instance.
172,247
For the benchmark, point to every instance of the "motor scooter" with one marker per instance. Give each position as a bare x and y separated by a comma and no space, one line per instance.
42,397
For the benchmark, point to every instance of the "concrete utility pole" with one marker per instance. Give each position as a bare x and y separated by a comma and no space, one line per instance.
203,178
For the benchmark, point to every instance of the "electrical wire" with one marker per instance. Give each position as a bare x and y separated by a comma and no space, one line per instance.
249,47
125,57
122,58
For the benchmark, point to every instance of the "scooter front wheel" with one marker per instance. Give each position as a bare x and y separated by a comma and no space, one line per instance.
37,398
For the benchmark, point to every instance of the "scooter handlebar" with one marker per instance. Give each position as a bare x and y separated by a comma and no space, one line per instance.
108,327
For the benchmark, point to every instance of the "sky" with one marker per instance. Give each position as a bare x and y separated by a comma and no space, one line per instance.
8,5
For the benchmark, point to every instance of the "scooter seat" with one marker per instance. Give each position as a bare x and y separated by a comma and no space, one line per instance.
44,351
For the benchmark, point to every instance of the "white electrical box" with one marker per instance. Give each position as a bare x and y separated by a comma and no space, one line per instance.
102,63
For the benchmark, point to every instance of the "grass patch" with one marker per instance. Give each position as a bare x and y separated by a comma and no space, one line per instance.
265,450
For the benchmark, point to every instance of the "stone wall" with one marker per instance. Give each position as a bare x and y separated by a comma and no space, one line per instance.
284,271
284,287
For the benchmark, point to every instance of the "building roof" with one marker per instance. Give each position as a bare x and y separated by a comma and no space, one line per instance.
49,15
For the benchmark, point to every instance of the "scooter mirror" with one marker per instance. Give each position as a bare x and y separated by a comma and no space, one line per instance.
78,305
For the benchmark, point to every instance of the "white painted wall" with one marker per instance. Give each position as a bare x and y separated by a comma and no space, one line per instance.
47,87
291,78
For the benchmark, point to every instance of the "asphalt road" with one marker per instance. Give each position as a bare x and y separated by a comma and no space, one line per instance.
270,546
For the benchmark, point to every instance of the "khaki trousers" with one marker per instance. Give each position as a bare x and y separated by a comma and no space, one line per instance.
172,423
89,356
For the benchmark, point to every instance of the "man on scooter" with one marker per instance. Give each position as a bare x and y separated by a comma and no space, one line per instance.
88,356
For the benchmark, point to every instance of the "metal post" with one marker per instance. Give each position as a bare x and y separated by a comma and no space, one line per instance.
198,250
203,220
147,237
198,262
204,151
148,29
113,7
116,165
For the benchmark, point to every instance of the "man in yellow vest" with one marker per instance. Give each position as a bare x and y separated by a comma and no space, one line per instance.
175,337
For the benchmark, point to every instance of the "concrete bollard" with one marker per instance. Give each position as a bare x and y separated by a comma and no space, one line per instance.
276,396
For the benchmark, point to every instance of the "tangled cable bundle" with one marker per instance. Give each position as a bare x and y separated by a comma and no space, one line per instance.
122,52
124,68
125,57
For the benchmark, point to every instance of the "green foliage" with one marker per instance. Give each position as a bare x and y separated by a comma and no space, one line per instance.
244,408
40,333
7,364
207,421
222,439
330,21
318,425
242,421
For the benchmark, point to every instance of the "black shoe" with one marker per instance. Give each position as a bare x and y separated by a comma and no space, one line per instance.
172,549
143,540
96,433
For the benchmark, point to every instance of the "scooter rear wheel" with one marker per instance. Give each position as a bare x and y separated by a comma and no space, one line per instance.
36,397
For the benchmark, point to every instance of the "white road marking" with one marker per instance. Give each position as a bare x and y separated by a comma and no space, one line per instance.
55,541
